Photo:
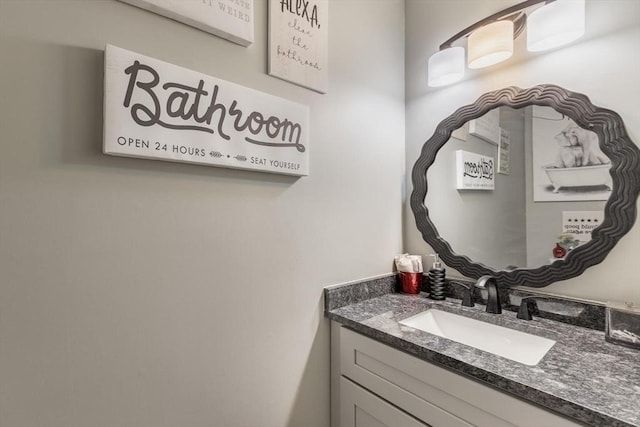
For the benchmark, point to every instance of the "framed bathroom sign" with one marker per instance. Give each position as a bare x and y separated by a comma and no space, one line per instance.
298,42
229,19
157,110
474,171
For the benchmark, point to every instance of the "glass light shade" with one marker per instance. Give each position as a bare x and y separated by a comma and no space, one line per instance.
446,67
490,44
555,24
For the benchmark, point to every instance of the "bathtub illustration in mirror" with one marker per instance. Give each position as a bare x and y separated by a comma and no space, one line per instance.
568,164
579,179
556,154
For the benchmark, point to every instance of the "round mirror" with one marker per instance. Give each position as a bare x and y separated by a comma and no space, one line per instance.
530,186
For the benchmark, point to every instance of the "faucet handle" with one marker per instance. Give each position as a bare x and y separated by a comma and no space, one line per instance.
528,306
466,294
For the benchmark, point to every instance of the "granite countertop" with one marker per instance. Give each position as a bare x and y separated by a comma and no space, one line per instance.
582,377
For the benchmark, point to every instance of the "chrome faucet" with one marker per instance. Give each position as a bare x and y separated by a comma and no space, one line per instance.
493,298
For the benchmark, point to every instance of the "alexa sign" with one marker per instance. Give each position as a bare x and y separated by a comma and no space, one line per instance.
156,110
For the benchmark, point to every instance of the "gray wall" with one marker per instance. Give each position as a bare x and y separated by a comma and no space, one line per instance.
146,293
603,64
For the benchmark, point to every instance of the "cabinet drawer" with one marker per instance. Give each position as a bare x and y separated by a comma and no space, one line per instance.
433,394
361,408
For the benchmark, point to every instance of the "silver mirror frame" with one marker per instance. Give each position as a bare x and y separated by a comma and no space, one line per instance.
619,211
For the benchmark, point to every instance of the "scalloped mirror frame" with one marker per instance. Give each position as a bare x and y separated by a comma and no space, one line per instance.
620,208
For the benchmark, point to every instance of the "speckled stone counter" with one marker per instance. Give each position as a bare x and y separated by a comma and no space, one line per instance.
582,377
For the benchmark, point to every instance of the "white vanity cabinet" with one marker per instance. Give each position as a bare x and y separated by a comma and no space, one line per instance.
375,385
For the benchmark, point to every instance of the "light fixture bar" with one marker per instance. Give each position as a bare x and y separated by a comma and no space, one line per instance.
518,26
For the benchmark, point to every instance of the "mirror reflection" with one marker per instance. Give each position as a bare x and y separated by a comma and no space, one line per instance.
523,187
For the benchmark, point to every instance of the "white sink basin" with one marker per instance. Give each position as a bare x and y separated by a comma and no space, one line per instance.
511,344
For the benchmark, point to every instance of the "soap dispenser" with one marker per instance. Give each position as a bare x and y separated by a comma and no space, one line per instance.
435,279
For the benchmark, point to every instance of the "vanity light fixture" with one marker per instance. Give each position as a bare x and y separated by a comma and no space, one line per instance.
490,41
490,44
555,24
446,66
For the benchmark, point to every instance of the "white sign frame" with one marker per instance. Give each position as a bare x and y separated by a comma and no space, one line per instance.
160,111
298,42
487,127
474,171
229,19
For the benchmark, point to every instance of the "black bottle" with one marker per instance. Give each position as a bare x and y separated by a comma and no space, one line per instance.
435,280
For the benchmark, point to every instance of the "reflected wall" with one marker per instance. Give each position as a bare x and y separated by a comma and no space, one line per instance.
489,226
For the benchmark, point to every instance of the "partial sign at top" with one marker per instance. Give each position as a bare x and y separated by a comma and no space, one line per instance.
298,42
229,19
157,110
487,127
